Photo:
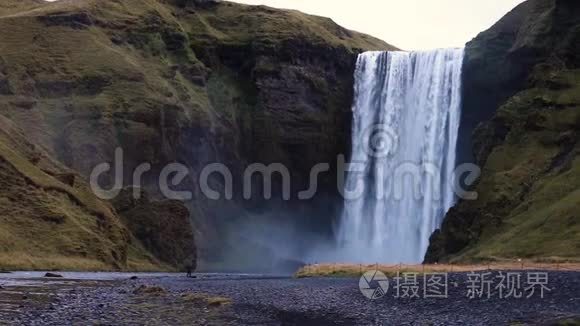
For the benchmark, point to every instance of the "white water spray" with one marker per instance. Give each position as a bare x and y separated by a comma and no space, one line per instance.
406,121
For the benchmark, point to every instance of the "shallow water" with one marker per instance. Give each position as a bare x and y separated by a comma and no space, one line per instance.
36,278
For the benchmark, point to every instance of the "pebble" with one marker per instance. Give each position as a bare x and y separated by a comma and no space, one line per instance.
314,301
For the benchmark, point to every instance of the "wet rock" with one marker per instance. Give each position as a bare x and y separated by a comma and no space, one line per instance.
52,275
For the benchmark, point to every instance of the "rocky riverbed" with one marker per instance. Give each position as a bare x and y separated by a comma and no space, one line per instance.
236,299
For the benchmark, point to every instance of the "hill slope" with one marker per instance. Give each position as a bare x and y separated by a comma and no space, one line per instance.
49,218
524,76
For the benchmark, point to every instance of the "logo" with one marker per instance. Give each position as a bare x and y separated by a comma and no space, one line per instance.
374,284
380,141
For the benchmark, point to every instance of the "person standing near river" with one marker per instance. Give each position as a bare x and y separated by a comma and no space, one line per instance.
190,267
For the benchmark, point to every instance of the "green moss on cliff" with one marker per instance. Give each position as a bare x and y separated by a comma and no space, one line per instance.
529,191
236,24
523,75
531,181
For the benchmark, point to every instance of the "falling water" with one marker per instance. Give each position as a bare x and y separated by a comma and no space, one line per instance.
406,120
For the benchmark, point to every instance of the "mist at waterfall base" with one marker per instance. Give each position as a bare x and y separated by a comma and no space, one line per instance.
406,113
278,240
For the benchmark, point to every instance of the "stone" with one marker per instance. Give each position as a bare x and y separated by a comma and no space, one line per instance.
52,275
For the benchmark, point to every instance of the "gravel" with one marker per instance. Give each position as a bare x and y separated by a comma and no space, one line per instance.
264,300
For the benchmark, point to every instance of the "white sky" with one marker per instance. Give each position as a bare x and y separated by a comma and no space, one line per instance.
407,24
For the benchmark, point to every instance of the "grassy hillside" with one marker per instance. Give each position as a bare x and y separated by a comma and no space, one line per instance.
49,219
524,73
82,77
8,7
233,23
530,188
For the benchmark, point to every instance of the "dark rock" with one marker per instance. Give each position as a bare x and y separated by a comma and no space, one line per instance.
195,3
84,86
5,87
133,278
24,103
52,275
78,20
130,198
153,222
197,74
66,178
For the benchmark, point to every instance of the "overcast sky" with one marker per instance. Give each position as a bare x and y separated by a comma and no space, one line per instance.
408,24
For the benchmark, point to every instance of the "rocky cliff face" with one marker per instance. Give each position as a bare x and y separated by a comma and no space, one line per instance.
521,119
182,81
163,227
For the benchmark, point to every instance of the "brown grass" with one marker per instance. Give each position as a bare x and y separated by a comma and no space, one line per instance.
150,290
46,224
353,270
209,300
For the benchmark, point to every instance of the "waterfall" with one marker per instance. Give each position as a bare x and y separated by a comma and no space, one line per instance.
406,120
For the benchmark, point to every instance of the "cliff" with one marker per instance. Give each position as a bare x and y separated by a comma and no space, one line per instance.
49,218
521,119
178,81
